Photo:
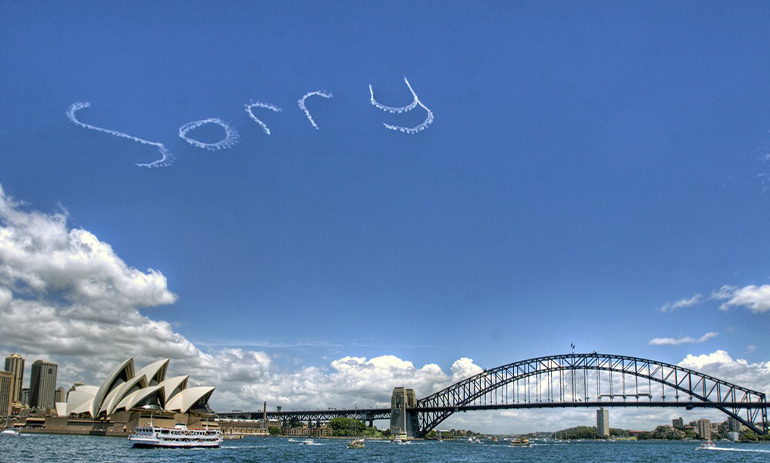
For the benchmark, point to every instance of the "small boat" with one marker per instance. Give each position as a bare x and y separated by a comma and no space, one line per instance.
177,437
357,444
401,439
520,442
9,431
708,445
307,442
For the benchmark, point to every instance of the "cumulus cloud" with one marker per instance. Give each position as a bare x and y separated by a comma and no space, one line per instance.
756,298
671,306
64,291
682,340
721,365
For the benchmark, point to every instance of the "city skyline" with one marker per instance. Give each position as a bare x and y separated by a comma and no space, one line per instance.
353,197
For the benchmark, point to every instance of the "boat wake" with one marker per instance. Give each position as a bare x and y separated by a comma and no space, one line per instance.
738,450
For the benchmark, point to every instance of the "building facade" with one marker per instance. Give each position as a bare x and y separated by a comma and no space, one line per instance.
703,428
15,365
603,422
6,381
42,385
678,423
733,424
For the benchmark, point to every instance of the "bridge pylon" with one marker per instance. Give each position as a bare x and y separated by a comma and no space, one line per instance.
403,417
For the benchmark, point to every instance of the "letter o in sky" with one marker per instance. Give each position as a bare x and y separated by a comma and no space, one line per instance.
231,135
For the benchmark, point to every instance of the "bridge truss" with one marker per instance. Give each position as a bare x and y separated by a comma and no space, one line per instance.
592,380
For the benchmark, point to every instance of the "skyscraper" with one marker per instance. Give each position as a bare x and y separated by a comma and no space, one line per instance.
42,385
703,428
6,380
15,364
603,422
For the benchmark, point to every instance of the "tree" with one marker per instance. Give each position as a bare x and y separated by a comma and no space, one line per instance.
274,430
342,426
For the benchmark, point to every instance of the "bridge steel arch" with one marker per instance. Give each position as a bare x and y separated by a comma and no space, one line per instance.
566,385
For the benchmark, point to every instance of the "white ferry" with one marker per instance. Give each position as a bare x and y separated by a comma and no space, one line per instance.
177,437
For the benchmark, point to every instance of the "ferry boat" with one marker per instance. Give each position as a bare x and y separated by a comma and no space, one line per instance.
519,442
177,437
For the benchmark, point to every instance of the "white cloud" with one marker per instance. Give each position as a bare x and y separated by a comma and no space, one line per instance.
64,291
671,306
68,297
682,340
719,364
756,298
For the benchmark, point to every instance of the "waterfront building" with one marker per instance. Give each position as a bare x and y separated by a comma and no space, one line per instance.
678,423
603,422
25,397
6,383
42,385
703,429
14,363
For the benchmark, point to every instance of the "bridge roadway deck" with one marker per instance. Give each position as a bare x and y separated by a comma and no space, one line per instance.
364,414
370,414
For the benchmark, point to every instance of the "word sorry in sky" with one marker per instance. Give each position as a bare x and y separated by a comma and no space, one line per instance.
231,135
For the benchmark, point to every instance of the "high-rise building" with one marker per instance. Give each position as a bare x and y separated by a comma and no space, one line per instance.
25,397
61,395
6,381
678,423
15,364
733,424
603,422
42,385
703,428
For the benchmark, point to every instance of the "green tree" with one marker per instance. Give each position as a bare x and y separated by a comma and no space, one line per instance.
345,427
274,430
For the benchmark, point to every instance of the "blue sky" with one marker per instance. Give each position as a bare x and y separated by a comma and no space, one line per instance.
588,164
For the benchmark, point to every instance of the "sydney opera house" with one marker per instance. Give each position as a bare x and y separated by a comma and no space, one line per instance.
128,398
145,390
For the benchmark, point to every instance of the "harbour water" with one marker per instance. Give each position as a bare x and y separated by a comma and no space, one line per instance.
96,449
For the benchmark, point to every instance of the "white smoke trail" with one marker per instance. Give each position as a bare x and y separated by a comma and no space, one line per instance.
258,104
164,161
301,103
231,136
402,109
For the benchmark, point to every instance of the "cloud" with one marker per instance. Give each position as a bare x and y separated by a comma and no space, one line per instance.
671,306
68,297
719,364
682,340
756,298
64,291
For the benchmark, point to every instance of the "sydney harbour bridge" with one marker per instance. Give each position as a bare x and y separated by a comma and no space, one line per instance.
557,381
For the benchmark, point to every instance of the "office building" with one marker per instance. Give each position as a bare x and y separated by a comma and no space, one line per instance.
703,429
603,422
15,365
6,381
678,423
61,395
733,424
42,385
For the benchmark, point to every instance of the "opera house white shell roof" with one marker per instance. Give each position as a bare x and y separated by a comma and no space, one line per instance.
125,389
